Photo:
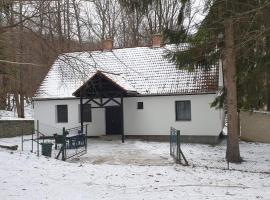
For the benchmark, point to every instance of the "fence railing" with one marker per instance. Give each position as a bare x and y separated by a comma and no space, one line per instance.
175,148
68,143
73,142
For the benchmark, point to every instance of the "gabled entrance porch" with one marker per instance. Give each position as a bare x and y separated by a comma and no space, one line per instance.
104,89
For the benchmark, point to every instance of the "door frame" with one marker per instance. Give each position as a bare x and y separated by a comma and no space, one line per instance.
121,120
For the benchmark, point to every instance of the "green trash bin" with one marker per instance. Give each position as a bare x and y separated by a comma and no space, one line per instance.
46,149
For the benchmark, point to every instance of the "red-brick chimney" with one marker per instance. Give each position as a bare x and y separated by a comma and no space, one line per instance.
107,45
157,40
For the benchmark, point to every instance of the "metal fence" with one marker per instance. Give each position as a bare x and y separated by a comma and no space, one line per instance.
76,142
175,148
73,142
67,144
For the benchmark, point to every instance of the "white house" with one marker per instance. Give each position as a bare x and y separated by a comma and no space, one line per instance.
129,91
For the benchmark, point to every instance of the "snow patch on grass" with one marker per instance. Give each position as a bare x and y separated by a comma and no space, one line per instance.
23,175
12,115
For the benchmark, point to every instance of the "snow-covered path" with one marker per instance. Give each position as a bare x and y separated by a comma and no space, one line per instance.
25,176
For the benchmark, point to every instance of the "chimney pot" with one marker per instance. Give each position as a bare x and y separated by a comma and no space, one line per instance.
107,45
157,40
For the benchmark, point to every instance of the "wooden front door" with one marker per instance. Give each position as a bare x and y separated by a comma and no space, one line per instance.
114,118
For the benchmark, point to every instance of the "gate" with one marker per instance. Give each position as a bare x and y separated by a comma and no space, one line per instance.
175,148
73,142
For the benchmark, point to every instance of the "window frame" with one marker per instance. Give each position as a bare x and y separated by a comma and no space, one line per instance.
57,113
91,119
140,105
176,113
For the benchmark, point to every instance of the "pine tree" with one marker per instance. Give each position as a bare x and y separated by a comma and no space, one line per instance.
236,31
239,29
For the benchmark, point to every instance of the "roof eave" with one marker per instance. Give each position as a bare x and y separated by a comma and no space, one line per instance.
136,94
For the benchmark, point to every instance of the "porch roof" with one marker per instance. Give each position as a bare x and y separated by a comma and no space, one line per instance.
103,84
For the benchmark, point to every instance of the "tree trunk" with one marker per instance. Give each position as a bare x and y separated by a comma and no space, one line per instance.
21,69
68,25
77,18
159,16
59,26
233,153
267,40
2,93
21,106
17,102
8,102
268,92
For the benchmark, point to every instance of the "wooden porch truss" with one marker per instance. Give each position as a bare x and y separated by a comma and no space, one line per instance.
102,90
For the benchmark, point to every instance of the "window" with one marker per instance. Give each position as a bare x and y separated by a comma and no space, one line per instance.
62,113
139,105
87,113
183,110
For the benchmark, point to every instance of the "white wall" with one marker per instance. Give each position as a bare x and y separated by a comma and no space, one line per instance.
156,118
45,112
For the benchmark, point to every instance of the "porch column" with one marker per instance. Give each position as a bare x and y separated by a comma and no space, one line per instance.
122,125
81,112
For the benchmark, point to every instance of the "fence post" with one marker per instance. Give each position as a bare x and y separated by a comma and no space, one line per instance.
171,141
86,138
22,139
33,132
37,137
64,145
178,145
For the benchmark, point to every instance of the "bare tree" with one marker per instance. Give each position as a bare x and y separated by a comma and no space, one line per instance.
34,33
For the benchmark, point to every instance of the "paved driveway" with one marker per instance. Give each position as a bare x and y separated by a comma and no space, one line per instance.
132,152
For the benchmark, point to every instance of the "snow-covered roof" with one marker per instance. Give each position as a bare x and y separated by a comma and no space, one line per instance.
141,69
119,80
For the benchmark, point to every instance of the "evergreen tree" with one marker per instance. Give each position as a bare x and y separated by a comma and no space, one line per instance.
236,31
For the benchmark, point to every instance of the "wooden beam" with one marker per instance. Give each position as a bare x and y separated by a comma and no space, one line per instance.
81,112
10,147
114,94
101,100
89,100
122,125
107,101
96,102
119,103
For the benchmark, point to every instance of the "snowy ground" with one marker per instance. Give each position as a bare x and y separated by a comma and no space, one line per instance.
135,170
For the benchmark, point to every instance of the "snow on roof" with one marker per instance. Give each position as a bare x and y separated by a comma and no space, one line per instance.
120,80
141,69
